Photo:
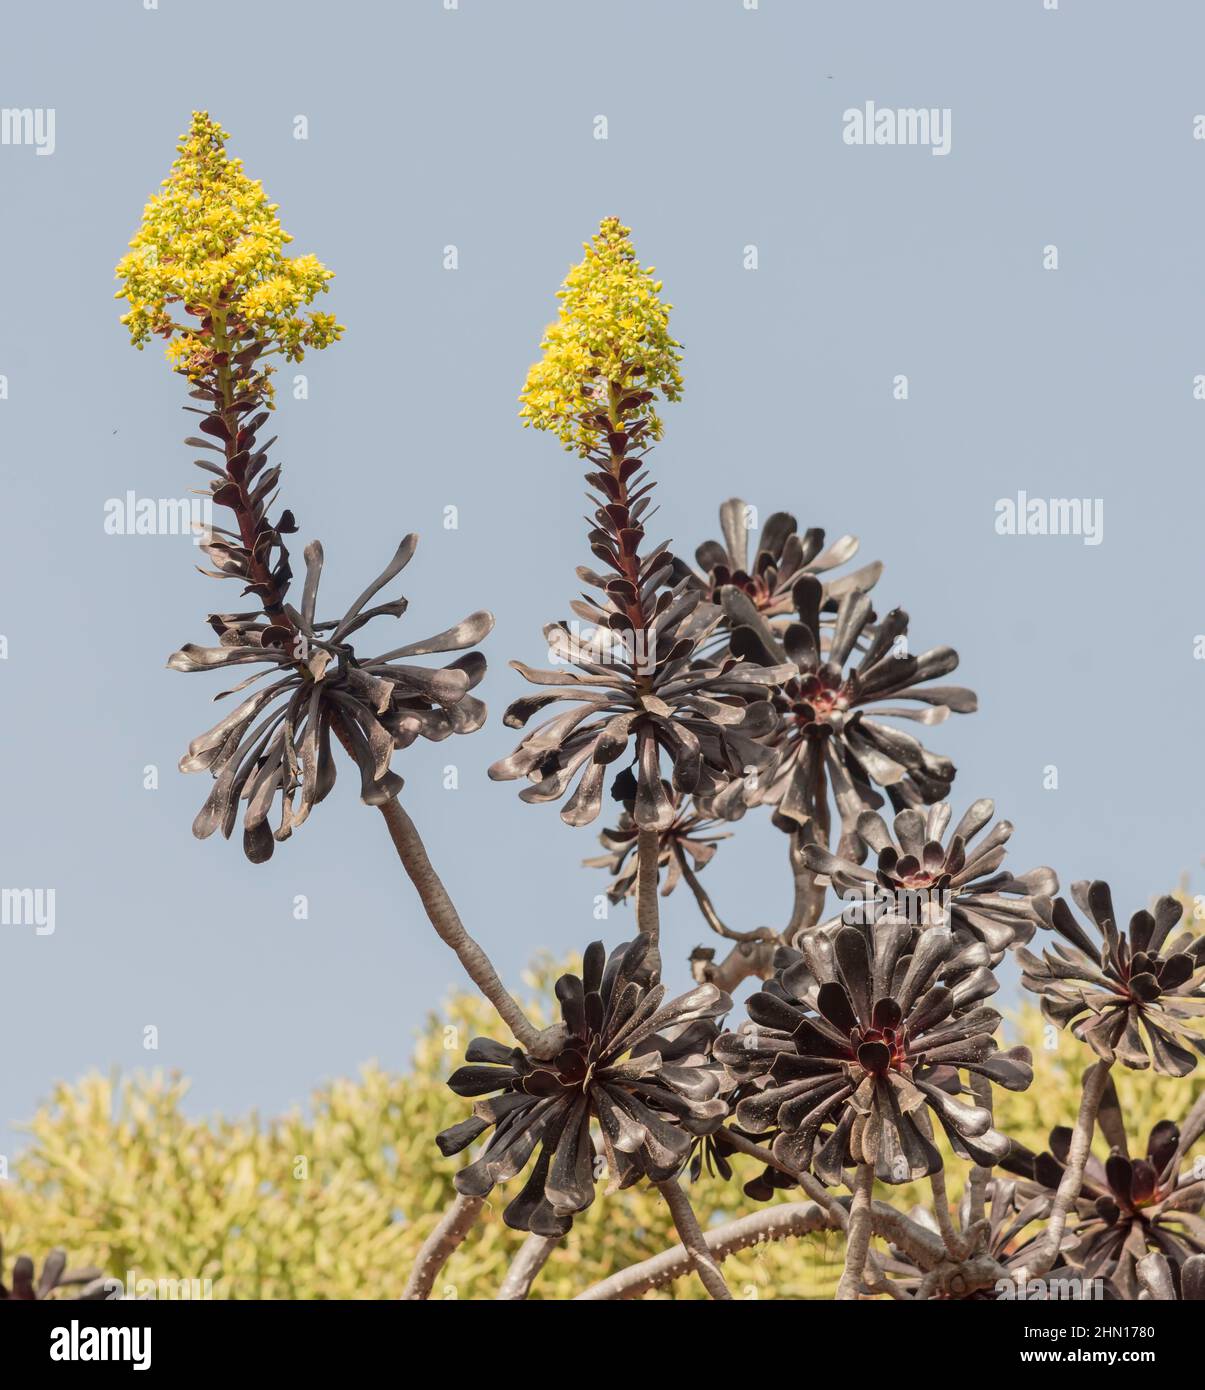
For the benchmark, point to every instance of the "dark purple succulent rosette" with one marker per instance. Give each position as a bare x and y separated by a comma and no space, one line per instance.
1137,996
781,558
1127,1206
958,883
631,1065
858,1038
840,686
276,744
708,716
1012,1240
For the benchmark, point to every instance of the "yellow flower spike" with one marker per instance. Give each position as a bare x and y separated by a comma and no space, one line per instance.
611,340
211,242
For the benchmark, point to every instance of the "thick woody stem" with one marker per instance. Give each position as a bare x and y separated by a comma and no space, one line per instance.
648,917
919,1244
532,1256
857,1245
439,1246
704,1263
772,1223
446,921
746,958
1096,1078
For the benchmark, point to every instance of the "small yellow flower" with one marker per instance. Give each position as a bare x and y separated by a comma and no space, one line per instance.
211,242
610,344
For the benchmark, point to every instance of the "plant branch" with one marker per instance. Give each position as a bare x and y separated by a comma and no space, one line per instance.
746,958
917,1242
711,916
446,921
955,1245
1096,1078
648,918
857,1246
809,895
437,1249
778,1222
704,1263
526,1266
814,1188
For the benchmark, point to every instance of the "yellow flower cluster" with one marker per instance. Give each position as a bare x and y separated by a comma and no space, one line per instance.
611,337
211,242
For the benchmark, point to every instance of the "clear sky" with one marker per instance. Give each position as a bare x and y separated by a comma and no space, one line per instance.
474,127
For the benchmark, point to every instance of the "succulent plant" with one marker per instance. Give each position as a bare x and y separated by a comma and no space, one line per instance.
277,742
685,846
647,1093
1126,1206
838,689
1013,1219
957,884
858,1038
1135,997
764,678
781,558
706,716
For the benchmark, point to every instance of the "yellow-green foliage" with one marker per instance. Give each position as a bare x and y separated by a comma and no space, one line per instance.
335,1203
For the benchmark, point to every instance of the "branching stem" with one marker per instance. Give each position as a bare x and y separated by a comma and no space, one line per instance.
1096,1078
702,1260
778,1222
532,1256
857,1245
648,916
437,1250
